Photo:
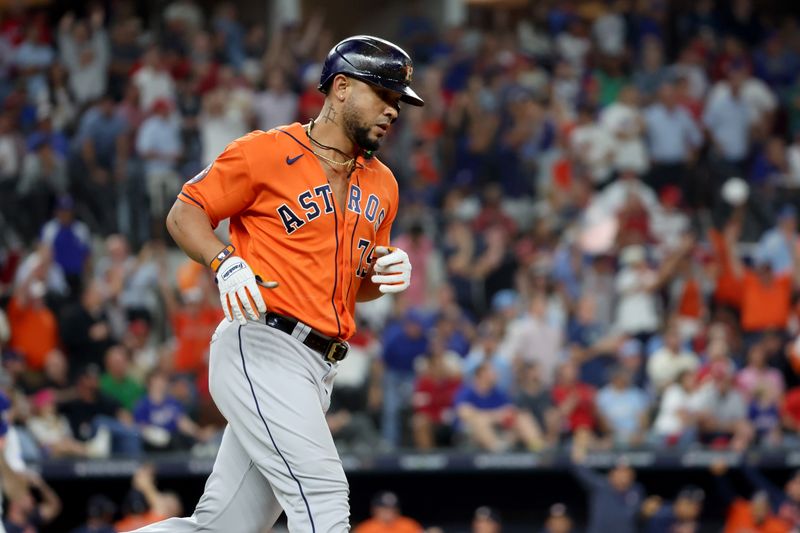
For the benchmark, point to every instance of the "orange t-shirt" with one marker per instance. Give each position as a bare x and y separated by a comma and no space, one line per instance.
193,332
740,519
765,306
691,301
285,223
34,332
400,525
729,287
129,523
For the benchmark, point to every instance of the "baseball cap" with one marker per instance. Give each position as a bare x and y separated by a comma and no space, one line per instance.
65,202
671,196
787,211
485,512
692,493
43,397
631,348
134,503
100,505
91,369
504,299
385,499
558,509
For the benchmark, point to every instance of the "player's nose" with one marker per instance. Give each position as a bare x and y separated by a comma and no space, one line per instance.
391,113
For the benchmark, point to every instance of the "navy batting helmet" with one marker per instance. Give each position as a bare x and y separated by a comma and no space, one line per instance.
372,60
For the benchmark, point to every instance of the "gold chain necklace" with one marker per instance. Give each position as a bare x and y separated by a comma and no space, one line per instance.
344,164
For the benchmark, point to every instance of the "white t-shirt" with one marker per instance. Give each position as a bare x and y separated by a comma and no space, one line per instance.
275,109
218,131
664,366
534,340
793,155
573,49
674,400
13,456
10,158
630,152
637,309
609,32
595,146
153,84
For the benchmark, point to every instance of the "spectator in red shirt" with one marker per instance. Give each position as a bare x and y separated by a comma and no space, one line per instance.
790,413
574,401
434,391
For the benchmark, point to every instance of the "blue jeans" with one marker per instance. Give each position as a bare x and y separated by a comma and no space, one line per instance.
398,387
125,440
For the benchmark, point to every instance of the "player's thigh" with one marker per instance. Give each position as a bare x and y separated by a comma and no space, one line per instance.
273,405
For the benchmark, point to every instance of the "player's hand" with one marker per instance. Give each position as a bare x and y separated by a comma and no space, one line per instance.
238,291
392,272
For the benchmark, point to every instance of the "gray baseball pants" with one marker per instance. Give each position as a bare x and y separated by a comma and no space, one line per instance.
277,453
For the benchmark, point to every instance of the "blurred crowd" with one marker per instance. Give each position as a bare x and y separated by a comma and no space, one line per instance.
599,200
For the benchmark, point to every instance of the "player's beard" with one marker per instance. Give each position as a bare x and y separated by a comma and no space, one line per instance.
357,132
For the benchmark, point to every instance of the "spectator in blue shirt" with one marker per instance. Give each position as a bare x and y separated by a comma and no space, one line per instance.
403,341
623,409
102,157
100,514
163,420
490,419
777,244
681,515
487,348
31,58
159,144
728,119
590,343
672,137
614,499
70,241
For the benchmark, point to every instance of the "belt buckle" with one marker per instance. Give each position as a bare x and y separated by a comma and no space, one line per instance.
336,351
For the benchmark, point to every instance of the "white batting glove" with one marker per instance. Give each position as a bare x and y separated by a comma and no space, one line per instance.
237,287
392,271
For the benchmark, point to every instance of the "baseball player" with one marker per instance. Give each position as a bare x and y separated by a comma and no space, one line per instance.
310,213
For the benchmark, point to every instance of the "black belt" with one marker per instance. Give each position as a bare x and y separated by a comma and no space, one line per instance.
332,350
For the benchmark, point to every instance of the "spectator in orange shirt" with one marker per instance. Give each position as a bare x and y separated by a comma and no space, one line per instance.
34,329
766,295
752,516
486,520
145,504
386,517
194,319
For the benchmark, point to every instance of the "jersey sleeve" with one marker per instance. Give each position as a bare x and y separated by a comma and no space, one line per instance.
224,188
385,230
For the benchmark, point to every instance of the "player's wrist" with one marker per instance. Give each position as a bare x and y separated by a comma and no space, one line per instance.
222,256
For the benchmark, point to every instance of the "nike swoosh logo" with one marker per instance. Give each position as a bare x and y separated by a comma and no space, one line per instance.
291,160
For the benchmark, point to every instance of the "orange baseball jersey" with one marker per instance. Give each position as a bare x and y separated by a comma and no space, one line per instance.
285,222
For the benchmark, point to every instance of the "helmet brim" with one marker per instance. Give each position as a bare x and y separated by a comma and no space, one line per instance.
407,94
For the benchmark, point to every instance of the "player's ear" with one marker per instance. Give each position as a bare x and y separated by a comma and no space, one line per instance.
339,87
